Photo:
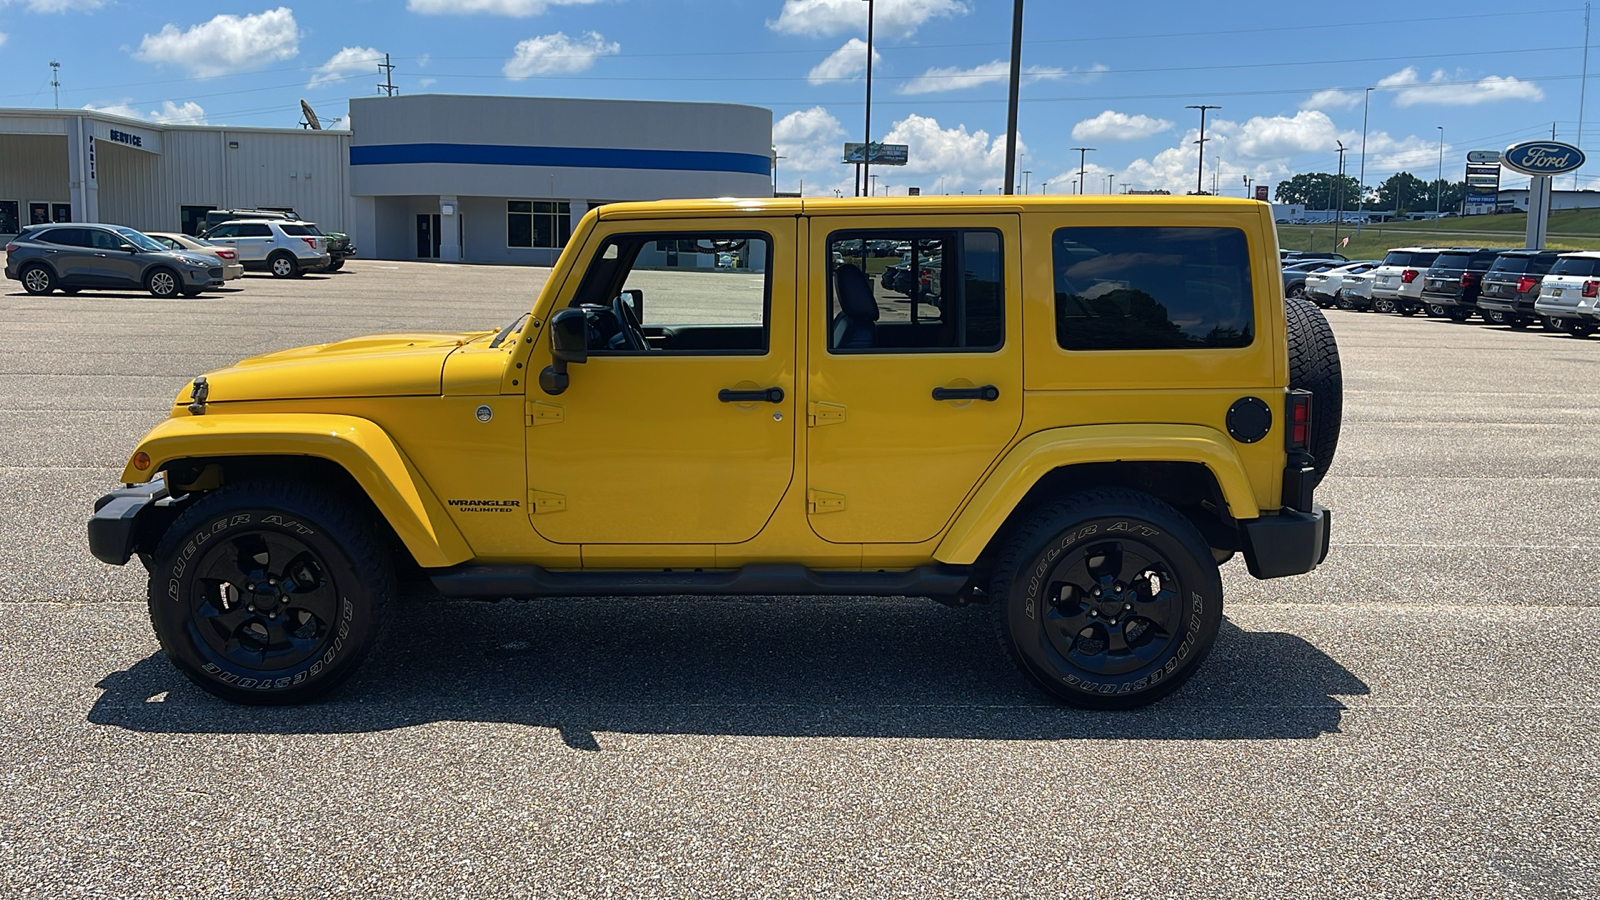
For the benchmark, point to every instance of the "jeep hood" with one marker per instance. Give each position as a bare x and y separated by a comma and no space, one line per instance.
379,365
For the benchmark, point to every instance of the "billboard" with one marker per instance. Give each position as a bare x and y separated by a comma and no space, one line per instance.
882,154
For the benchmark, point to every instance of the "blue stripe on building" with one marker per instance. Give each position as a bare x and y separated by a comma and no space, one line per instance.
569,157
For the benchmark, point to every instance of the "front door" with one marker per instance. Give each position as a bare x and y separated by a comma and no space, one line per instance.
915,369
428,236
679,430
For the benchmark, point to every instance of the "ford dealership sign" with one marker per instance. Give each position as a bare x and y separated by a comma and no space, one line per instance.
1542,158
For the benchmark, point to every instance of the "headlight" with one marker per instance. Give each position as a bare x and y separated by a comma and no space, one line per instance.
195,261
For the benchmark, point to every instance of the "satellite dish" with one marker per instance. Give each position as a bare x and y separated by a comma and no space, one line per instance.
311,122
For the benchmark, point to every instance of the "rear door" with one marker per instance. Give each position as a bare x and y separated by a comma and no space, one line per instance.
72,254
914,382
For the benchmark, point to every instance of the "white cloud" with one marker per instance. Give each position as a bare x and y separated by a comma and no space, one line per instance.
847,62
1114,126
347,62
57,6
427,82
555,53
520,9
1334,99
820,18
951,78
1273,137
226,43
190,113
3,37
966,160
810,141
1456,90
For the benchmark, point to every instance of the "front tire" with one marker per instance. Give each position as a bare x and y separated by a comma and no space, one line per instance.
283,265
38,280
1109,599
269,592
163,284
336,265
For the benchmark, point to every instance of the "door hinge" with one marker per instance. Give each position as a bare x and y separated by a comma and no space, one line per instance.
543,502
819,414
542,413
818,502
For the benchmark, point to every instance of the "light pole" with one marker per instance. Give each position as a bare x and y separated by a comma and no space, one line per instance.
1200,168
1438,189
873,191
866,155
1025,180
1366,104
1338,213
1016,85
775,159
1044,188
1082,171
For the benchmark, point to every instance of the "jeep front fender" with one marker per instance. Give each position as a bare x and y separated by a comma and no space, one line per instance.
1040,454
359,446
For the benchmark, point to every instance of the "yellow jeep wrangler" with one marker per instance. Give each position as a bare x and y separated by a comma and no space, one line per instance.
1072,410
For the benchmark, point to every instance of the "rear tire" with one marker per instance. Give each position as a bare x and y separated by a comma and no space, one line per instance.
283,265
38,280
1494,317
1314,366
229,595
1108,599
1581,329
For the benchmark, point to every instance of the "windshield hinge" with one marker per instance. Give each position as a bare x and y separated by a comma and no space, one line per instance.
544,502
818,502
542,413
819,414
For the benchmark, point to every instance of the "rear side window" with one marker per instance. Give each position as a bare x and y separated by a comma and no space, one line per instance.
68,237
915,291
299,230
256,230
1581,266
1409,258
1129,288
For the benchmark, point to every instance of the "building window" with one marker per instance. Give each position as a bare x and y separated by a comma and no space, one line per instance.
10,217
538,223
193,218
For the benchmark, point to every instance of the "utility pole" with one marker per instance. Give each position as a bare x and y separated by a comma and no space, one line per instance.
1016,86
873,191
55,80
1111,183
1338,215
1026,185
1082,171
1200,169
866,153
1582,83
387,86
1364,107
1438,189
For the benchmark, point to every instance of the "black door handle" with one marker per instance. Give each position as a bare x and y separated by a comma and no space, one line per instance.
987,392
765,395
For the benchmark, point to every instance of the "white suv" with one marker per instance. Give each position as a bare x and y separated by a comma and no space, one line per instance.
1569,296
1397,281
285,249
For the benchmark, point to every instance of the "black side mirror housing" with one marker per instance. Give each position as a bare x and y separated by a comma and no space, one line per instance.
129,248
569,343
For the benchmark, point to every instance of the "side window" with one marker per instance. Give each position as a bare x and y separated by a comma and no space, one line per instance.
256,230
223,231
929,291
700,293
1151,288
69,237
105,240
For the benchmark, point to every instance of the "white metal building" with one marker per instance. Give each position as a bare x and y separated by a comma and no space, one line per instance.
1516,200
485,179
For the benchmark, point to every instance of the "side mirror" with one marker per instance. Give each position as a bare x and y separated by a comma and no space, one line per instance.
569,343
129,248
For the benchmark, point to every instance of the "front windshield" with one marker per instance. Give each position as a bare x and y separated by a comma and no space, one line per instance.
139,240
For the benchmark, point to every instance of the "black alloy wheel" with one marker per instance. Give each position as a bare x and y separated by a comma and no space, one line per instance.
269,592
1109,599
38,280
1436,310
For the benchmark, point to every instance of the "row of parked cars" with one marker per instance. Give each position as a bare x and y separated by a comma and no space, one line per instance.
75,256
1505,286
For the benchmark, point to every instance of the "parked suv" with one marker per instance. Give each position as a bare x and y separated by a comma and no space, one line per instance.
1511,286
1296,273
215,217
286,249
79,255
1325,288
1570,293
1397,281
792,429
1451,285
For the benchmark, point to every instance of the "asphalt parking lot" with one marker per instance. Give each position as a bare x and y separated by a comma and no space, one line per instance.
1418,718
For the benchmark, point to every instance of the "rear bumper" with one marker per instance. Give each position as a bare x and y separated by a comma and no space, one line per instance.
1289,543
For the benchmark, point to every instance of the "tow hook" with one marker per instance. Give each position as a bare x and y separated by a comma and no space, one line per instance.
197,396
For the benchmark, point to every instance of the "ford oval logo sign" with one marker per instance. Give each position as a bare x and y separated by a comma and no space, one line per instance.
1542,158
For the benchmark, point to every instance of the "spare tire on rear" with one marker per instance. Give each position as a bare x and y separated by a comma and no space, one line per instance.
1314,367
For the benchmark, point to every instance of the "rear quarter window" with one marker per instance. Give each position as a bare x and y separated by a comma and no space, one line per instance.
1152,288
1580,266
298,230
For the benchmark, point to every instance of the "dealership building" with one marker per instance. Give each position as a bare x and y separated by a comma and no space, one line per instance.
432,177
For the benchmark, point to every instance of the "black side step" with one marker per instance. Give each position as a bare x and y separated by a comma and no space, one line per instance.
528,582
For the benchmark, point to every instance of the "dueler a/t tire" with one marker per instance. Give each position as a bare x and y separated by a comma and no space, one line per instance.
1314,366
1108,599
269,592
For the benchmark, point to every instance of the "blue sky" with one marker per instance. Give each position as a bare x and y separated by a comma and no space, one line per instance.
1290,79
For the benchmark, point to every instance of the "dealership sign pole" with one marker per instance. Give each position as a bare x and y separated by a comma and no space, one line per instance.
1543,160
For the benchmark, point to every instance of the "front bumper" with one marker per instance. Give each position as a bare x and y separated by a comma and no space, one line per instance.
124,519
1289,543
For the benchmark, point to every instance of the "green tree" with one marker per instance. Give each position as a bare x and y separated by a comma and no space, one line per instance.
1319,190
1405,192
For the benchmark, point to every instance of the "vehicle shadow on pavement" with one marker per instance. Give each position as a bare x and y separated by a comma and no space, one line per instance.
799,668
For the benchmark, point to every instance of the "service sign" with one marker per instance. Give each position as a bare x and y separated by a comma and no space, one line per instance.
1542,158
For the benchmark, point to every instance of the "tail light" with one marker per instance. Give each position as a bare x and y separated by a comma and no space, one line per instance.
12,248
1525,284
1591,288
927,277
1297,436
1408,276
1469,278
226,254
310,242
